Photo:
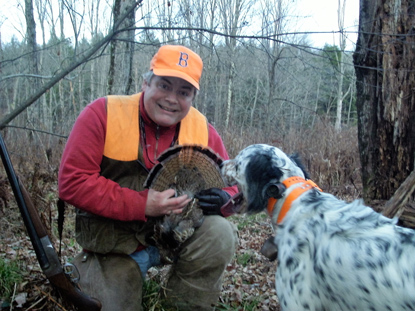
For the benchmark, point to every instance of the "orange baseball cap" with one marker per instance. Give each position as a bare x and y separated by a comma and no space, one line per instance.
178,61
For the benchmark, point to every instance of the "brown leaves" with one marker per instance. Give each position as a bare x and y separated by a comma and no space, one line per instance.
249,280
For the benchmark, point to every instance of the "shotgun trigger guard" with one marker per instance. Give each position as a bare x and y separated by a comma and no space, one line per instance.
72,272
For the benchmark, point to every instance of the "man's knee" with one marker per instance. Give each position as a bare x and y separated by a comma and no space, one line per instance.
223,235
217,237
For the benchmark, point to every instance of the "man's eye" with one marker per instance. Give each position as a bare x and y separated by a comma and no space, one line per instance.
163,86
184,93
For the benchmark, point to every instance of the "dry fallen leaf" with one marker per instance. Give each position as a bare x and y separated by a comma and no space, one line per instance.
20,299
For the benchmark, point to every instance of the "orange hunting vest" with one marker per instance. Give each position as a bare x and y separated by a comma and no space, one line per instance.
123,131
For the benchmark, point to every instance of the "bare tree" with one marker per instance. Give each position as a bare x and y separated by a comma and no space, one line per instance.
31,36
202,15
342,45
167,14
63,72
93,24
42,15
233,13
76,11
254,73
273,19
32,48
383,61
120,76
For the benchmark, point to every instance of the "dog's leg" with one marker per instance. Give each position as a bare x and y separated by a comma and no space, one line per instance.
270,249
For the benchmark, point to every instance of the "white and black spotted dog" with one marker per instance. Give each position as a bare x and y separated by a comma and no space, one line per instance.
332,255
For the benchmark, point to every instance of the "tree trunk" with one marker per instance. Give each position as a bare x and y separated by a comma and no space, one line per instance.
253,110
383,62
31,49
122,50
339,106
31,36
342,46
230,90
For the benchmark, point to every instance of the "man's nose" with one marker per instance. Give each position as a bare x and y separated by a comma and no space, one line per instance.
171,96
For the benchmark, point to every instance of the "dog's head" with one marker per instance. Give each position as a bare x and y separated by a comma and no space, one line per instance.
258,170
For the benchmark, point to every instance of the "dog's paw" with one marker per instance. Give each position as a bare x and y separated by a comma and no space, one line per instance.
270,249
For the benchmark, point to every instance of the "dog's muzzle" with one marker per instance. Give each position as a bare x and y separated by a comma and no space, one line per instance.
234,205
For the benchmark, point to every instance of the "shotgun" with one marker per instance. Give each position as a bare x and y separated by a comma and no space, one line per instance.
45,252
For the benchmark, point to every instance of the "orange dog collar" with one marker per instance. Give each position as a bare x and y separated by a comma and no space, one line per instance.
305,186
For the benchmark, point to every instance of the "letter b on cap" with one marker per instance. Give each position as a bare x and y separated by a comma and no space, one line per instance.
183,59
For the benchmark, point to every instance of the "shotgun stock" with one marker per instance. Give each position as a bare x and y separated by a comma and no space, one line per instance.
45,252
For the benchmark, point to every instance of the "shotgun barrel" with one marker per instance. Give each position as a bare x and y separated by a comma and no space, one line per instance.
45,252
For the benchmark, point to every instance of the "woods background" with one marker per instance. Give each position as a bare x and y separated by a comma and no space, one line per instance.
262,81
346,109
265,78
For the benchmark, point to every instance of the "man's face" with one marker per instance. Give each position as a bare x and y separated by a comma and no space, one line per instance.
167,100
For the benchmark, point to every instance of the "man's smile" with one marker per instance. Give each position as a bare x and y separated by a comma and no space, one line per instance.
166,108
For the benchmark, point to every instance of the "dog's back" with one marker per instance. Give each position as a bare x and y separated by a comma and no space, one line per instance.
343,256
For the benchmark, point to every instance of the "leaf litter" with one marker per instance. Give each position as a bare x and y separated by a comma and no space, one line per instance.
248,279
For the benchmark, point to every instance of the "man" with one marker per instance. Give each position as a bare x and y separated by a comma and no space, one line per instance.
113,144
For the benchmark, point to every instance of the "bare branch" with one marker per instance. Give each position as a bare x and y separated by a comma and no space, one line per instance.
6,119
27,75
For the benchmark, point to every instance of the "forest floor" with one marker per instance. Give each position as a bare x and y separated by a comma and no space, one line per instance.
250,277
248,281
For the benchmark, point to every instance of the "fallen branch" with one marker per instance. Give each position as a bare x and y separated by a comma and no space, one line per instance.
396,205
50,298
36,303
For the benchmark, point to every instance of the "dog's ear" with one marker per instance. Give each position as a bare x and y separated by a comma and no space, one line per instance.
275,190
296,159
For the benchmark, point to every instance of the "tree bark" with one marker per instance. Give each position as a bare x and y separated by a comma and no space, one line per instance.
342,46
32,51
31,36
383,63
120,76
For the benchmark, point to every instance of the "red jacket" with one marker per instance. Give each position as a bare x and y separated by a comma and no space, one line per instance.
79,180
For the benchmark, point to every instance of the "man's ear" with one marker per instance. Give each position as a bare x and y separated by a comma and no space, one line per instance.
144,85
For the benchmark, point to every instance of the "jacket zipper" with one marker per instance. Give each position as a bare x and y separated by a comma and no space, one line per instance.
157,143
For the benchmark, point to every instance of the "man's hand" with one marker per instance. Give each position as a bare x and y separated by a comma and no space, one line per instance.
164,203
211,200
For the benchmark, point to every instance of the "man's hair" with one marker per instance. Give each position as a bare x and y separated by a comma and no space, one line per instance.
149,75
